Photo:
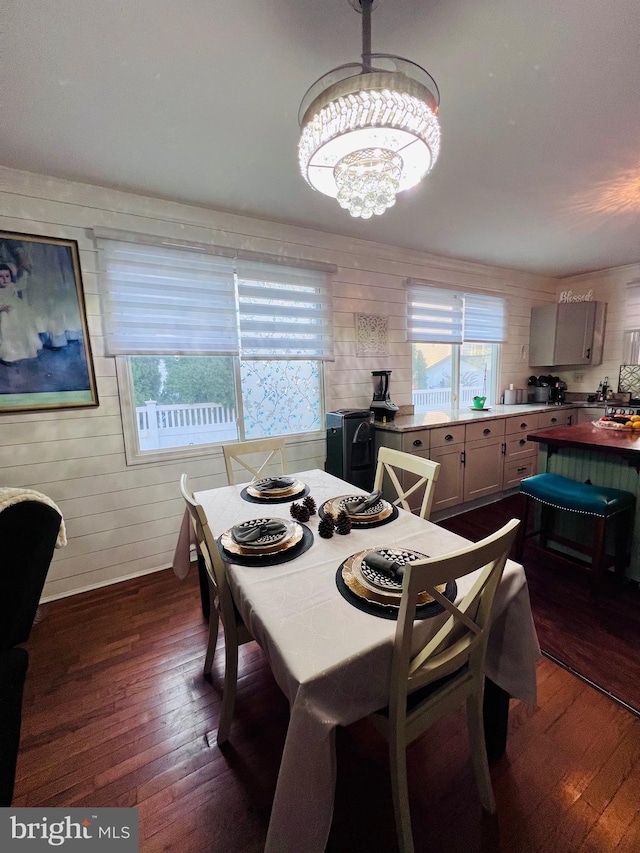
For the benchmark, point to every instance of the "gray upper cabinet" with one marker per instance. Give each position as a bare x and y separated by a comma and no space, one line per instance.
567,333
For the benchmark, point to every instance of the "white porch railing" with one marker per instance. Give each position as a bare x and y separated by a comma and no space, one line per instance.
440,398
161,426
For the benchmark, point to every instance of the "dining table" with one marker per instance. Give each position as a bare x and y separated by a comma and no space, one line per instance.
332,658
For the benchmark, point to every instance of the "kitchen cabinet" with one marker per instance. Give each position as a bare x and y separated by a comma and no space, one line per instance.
556,417
566,333
483,459
477,459
447,448
415,442
520,455
588,414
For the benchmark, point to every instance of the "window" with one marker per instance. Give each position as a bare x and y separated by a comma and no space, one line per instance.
212,349
455,349
631,336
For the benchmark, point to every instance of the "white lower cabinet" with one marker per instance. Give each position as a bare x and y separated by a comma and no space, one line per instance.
450,483
447,448
483,468
557,417
477,459
483,459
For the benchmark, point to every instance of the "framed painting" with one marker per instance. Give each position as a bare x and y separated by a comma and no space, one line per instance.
45,352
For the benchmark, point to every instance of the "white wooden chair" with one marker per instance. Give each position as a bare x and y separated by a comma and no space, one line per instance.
390,461
428,683
221,606
266,449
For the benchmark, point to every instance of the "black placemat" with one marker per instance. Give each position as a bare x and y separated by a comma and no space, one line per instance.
384,611
270,559
244,494
363,525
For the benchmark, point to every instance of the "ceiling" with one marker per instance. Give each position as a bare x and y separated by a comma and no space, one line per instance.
198,101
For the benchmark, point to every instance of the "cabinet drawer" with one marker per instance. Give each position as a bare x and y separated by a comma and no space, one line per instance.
516,471
485,429
525,424
443,436
518,446
416,441
551,419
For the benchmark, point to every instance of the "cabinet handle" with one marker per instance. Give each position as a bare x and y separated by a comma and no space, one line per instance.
588,352
417,443
448,437
520,470
523,425
523,441
463,457
504,448
486,431
554,420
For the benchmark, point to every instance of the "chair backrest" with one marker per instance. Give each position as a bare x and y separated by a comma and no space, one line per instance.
390,461
463,637
28,532
254,456
208,548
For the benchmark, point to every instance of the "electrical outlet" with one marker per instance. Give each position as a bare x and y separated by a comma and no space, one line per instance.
578,377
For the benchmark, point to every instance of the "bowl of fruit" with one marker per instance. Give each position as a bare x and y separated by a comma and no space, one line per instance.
625,422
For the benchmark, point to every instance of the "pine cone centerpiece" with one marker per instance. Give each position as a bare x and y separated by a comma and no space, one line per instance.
294,510
302,514
325,527
310,504
343,523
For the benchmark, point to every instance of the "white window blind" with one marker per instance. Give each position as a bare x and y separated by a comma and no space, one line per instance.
285,312
632,307
158,300
434,315
484,318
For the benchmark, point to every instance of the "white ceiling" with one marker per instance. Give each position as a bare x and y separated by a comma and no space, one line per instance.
197,101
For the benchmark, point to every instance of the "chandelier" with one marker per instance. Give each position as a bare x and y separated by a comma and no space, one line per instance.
369,130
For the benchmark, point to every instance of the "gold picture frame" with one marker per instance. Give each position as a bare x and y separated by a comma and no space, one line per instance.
45,351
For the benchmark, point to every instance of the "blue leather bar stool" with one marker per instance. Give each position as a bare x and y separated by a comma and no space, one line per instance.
555,492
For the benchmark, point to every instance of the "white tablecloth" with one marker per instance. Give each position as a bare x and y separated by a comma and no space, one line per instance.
332,660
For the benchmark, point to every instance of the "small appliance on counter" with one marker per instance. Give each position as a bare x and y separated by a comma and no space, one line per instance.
350,447
547,389
382,406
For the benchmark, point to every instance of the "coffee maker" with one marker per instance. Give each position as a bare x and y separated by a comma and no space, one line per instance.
382,406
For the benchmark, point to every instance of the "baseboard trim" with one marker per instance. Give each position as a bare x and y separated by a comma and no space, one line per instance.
616,699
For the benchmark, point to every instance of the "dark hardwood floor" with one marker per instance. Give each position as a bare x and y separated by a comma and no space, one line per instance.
599,638
117,713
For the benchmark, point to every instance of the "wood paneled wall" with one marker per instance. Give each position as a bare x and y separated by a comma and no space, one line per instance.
122,520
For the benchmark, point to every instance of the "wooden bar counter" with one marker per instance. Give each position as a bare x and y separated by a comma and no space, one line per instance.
604,457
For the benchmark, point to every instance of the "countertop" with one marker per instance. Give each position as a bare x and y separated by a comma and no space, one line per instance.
617,442
410,423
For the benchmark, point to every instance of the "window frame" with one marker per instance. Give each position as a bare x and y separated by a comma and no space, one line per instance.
418,331
456,358
135,456
118,256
